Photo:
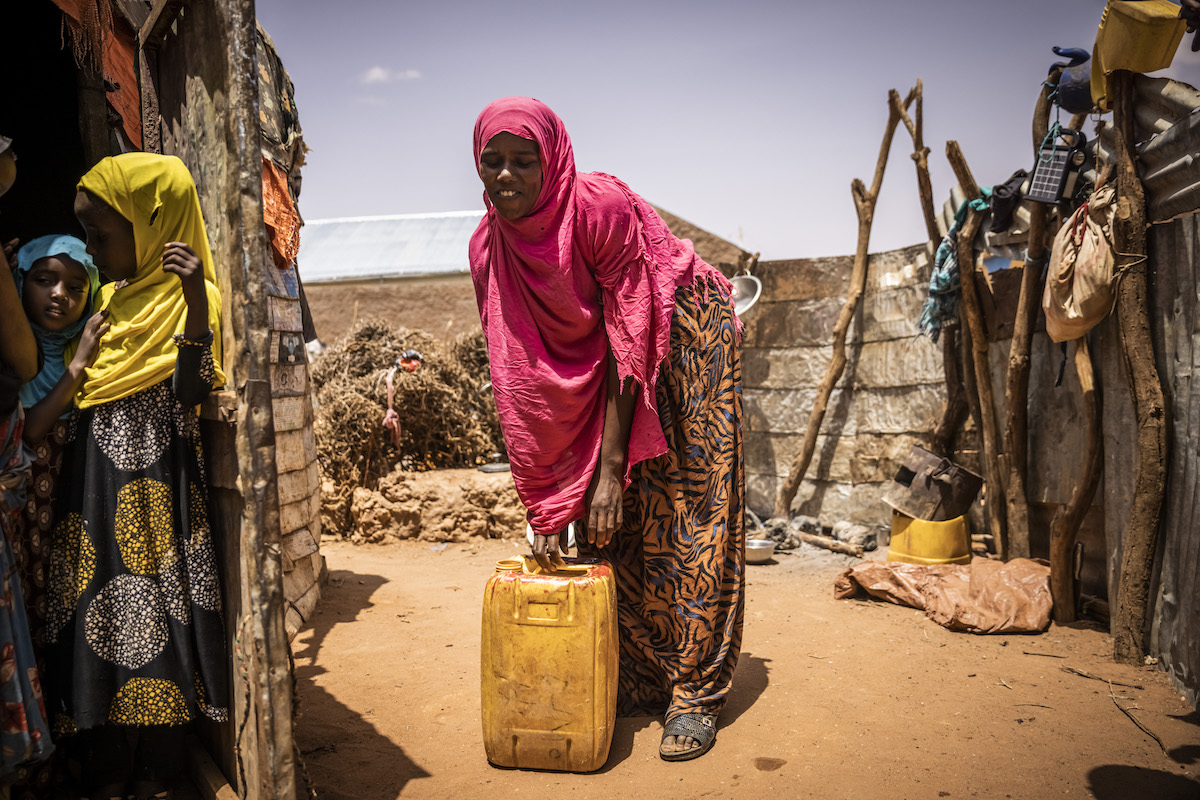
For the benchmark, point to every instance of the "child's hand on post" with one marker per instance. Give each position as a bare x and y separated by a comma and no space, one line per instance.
181,259
10,251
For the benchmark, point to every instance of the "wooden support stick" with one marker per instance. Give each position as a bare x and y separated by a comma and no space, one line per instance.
864,204
1133,315
973,314
955,412
1065,526
832,544
1016,385
920,156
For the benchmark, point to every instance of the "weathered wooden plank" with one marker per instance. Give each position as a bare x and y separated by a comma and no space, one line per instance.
300,544
220,453
299,580
300,514
284,314
307,602
293,622
288,413
294,449
289,379
300,484
294,516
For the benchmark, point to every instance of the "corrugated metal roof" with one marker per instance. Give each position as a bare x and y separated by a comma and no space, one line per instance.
1168,121
397,246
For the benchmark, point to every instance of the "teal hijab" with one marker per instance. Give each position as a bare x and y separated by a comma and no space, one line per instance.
54,344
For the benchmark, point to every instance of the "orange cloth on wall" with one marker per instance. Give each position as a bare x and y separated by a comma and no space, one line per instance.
118,48
280,215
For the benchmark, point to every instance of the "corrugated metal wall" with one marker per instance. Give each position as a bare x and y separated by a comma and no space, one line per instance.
1175,254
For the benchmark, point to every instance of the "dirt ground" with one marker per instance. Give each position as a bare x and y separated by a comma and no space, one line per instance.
832,699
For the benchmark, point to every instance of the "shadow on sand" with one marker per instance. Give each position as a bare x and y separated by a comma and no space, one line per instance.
341,736
1119,782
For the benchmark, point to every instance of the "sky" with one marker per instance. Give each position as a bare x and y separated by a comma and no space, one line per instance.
748,118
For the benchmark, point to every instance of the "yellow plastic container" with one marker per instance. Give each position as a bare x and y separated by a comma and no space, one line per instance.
549,665
918,541
1137,35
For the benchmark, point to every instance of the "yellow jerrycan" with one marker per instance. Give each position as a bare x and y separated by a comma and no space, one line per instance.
549,665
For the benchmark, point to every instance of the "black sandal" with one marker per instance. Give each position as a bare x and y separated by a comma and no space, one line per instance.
701,727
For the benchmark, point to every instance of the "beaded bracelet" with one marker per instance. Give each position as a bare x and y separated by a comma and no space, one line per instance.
183,341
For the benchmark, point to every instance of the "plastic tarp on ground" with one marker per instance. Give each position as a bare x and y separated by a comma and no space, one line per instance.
984,596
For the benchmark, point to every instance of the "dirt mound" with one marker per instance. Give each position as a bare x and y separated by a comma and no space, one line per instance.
447,419
441,506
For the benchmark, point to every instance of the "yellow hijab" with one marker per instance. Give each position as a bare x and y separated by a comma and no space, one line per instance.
155,193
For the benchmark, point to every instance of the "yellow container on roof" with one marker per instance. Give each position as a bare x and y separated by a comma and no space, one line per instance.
1136,35
549,665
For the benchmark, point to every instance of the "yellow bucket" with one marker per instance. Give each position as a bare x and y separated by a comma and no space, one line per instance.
1136,35
549,665
918,541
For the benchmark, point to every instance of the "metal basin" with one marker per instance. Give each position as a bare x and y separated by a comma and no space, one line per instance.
759,551
746,290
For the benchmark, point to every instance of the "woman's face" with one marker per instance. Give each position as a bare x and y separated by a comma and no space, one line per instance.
511,170
55,292
109,236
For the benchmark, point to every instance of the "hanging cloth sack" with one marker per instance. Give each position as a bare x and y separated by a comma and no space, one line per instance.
1079,284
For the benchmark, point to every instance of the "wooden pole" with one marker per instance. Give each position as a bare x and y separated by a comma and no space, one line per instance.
973,314
942,439
1016,385
1065,526
920,156
864,205
1133,316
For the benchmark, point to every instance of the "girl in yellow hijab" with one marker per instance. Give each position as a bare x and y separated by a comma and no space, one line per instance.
134,627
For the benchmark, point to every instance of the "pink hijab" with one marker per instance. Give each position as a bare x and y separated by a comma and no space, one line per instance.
592,267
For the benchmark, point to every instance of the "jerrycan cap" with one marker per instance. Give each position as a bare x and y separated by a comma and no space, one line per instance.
571,568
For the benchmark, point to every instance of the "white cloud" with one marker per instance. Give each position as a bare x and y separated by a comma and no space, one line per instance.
379,74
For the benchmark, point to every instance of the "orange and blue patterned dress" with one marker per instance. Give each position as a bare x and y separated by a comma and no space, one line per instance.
679,558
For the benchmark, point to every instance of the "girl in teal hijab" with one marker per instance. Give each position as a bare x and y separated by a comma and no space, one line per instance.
59,286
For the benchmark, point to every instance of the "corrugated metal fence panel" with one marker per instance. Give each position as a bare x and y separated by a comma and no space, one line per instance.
401,246
1176,629
1168,121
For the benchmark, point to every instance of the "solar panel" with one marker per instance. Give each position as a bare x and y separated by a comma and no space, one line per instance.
1049,174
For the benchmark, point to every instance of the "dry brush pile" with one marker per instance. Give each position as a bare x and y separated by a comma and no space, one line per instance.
447,417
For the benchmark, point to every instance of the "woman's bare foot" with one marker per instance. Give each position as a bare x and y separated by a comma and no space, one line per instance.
687,736
678,744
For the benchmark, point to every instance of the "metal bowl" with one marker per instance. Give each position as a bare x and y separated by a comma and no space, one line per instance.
759,551
746,290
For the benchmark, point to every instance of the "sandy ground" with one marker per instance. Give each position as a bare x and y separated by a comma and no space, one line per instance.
832,699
